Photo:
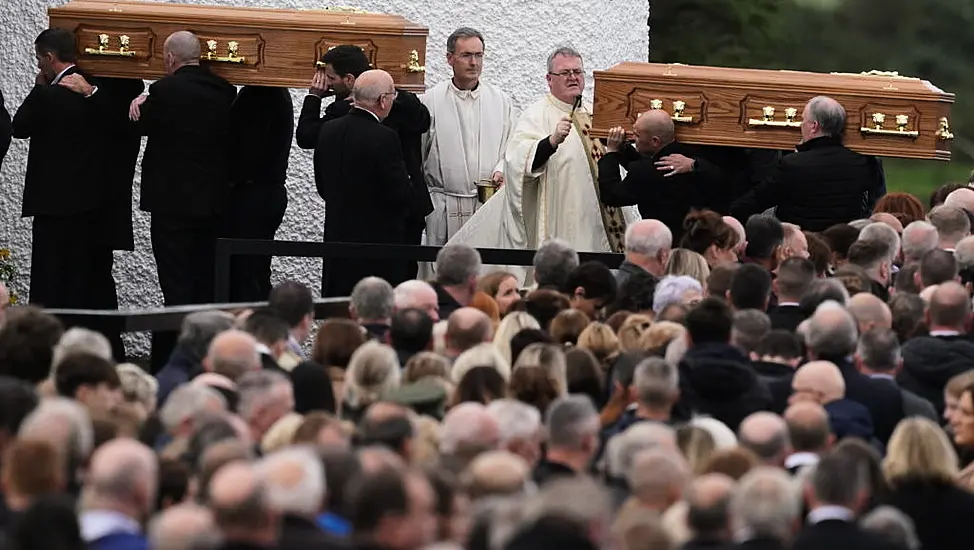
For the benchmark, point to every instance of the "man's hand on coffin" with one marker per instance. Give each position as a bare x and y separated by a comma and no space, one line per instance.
134,111
77,84
616,139
319,86
561,132
674,164
498,178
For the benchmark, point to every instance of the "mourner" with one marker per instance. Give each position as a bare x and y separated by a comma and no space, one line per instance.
821,184
472,121
408,117
551,176
261,128
361,174
5,129
185,185
64,190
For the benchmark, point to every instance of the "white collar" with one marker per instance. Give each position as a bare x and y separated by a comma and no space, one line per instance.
944,333
60,74
829,512
96,524
368,111
797,460
464,94
882,376
263,349
782,304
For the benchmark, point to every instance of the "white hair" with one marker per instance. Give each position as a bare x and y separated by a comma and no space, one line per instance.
186,402
675,351
405,293
724,437
302,496
372,371
638,437
892,525
256,390
481,355
766,502
465,423
55,412
919,237
80,340
138,385
671,289
517,420
512,324
639,239
656,382
878,231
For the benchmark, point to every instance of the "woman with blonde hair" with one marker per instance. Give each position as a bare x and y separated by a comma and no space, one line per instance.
599,339
567,326
514,323
659,335
632,330
921,469
551,359
373,371
689,263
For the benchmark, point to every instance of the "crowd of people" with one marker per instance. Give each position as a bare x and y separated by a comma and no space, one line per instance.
751,386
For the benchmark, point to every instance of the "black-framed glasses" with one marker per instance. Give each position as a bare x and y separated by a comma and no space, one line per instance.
569,72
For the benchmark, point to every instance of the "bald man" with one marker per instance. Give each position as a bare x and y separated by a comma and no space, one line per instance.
185,183
660,180
821,382
741,234
183,527
467,327
497,473
233,353
708,514
120,484
869,312
241,507
962,198
766,434
823,183
361,174
809,433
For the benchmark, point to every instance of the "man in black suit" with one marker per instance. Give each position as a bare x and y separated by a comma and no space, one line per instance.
361,175
64,188
835,494
663,182
261,129
795,275
5,130
408,117
186,117
823,183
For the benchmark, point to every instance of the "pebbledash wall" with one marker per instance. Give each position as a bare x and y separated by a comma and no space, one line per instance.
519,35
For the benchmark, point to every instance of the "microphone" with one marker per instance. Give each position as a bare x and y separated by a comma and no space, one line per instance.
576,105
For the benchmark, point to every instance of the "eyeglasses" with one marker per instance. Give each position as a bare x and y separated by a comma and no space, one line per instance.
393,94
471,56
569,72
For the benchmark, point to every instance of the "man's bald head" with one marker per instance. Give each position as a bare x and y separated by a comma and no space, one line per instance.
888,219
950,307
181,48
808,427
869,312
239,501
766,434
818,381
123,473
708,500
468,327
656,123
495,473
738,228
183,527
232,353
962,198
370,89
658,477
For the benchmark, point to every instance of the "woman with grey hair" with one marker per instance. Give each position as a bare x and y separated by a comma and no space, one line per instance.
372,372
677,289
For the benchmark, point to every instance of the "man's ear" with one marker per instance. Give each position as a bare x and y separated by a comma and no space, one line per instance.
774,287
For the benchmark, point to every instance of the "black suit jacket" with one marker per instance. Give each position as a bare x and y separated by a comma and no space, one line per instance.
360,172
839,535
820,185
261,127
122,144
786,317
884,400
408,117
65,130
187,120
761,543
667,199
6,131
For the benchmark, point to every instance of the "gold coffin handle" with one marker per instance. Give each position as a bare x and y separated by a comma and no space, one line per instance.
902,121
943,131
679,107
768,118
413,65
232,48
103,47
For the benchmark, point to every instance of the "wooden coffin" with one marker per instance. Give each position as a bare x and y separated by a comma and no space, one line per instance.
887,115
265,47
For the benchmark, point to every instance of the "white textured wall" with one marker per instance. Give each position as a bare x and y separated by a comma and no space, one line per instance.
519,34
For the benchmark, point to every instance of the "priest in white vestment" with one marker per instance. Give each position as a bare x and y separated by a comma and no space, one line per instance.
472,121
551,173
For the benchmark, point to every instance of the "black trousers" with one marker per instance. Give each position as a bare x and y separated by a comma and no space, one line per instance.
256,212
185,252
413,235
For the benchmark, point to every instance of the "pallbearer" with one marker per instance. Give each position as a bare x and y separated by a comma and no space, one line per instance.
472,121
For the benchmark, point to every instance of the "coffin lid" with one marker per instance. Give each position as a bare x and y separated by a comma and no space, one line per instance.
878,84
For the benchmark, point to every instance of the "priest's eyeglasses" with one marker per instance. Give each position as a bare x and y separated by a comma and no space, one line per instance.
569,72
479,56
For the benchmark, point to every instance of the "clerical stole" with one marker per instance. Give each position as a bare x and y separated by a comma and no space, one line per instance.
613,219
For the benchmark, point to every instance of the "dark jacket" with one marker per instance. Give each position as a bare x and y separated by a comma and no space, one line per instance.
187,121
445,302
667,199
408,117
884,401
850,419
768,371
298,533
6,132
716,379
786,317
180,368
359,171
626,270
546,471
820,185
120,541
700,543
261,126
939,511
913,404
930,361
121,147
312,388
835,534
65,130
761,543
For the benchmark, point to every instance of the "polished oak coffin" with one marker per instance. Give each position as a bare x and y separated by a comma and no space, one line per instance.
887,114
255,46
